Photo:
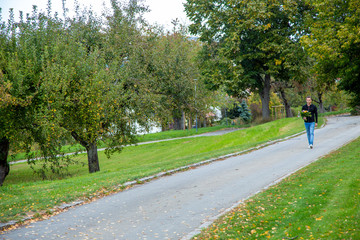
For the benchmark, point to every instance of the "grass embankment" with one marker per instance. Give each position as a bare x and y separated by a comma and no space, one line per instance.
178,134
24,193
142,138
321,201
340,112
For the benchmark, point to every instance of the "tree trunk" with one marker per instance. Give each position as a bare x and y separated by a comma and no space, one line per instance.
177,123
265,98
183,121
93,159
321,104
190,123
91,149
286,103
4,165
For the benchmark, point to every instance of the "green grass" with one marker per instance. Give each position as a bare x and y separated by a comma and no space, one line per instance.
23,192
141,138
181,133
321,201
345,111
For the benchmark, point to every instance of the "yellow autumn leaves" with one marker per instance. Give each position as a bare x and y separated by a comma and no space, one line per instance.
7,99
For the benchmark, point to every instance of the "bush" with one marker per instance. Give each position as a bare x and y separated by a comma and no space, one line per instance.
256,111
240,111
355,111
225,121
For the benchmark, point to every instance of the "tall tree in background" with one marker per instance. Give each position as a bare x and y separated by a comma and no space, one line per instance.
174,68
256,41
334,43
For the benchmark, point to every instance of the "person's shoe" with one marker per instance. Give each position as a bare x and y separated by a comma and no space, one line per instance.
311,146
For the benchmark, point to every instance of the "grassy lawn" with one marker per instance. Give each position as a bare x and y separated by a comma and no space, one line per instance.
345,111
321,201
186,133
144,138
24,193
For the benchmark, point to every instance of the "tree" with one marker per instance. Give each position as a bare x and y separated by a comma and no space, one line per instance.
173,70
218,72
256,40
280,87
74,87
72,77
22,50
334,44
240,111
94,89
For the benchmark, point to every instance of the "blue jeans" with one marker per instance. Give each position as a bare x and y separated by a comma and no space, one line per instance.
310,127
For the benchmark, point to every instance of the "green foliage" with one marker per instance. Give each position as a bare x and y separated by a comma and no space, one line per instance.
240,111
254,102
72,77
170,65
334,43
91,79
23,46
93,89
255,99
218,72
172,68
248,42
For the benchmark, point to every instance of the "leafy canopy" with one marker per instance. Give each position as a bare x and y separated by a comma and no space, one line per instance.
334,42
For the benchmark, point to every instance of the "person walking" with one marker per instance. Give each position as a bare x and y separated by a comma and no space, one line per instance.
310,121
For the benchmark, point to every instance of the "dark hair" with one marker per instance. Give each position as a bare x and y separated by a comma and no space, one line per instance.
309,97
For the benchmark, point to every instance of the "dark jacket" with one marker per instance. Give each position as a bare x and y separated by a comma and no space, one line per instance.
313,110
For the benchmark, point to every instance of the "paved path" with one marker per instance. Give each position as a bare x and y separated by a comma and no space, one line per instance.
177,206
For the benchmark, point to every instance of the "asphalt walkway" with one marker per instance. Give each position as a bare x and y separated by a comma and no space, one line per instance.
178,206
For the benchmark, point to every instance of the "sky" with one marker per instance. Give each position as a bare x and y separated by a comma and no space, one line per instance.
162,11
